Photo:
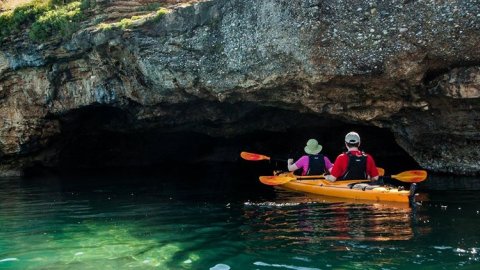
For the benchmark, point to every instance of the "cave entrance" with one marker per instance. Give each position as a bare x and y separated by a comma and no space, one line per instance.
105,137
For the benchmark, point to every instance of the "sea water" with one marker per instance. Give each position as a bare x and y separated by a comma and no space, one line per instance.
228,221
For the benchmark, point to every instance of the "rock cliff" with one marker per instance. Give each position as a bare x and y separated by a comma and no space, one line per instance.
412,67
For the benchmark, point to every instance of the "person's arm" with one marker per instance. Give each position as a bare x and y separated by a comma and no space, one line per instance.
328,164
372,170
291,166
301,163
338,169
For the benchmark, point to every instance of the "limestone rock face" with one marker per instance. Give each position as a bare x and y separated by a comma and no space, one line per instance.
412,67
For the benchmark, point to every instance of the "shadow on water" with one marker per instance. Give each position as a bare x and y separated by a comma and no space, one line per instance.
450,182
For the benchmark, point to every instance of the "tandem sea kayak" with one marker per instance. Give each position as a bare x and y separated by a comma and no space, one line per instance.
351,189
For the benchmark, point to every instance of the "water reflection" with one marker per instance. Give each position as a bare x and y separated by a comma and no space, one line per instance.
305,219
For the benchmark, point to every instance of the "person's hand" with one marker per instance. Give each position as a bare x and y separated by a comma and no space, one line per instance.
330,178
290,161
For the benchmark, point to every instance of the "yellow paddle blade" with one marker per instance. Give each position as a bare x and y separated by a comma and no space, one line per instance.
413,176
381,171
273,180
253,156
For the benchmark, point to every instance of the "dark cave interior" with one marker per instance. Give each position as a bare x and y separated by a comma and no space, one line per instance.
109,138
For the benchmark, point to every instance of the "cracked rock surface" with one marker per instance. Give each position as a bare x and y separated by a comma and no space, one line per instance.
412,67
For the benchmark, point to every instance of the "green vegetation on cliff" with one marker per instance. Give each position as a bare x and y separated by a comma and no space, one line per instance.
44,18
127,23
49,19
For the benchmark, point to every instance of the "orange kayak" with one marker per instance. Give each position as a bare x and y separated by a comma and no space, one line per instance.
352,189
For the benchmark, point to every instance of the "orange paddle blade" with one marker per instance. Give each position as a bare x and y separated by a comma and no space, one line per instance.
273,180
253,156
413,176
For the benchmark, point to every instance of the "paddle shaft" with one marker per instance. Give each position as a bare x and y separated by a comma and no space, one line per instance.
413,176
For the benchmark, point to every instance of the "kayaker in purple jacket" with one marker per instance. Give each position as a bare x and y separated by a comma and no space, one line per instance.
313,163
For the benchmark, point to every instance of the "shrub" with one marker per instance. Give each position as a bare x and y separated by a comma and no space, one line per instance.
160,13
125,23
5,25
13,21
105,26
46,18
61,22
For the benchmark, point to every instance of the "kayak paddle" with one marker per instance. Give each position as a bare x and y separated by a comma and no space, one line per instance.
279,180
273,180
253,156
412,176
257,157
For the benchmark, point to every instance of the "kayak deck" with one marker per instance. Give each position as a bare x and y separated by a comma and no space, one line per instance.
353,189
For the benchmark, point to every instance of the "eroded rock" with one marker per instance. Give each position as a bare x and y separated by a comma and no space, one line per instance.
382,64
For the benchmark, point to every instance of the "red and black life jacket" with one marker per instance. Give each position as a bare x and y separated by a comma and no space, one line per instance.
357,167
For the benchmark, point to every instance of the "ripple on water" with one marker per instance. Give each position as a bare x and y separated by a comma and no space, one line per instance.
442,247
284,266
220,266
8,260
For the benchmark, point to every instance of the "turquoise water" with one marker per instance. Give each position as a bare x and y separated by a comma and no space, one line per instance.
226,222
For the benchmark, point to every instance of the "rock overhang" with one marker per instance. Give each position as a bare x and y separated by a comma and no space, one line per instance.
389,65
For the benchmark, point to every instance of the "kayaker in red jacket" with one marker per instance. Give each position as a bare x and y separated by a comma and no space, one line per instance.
313,163
354,164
